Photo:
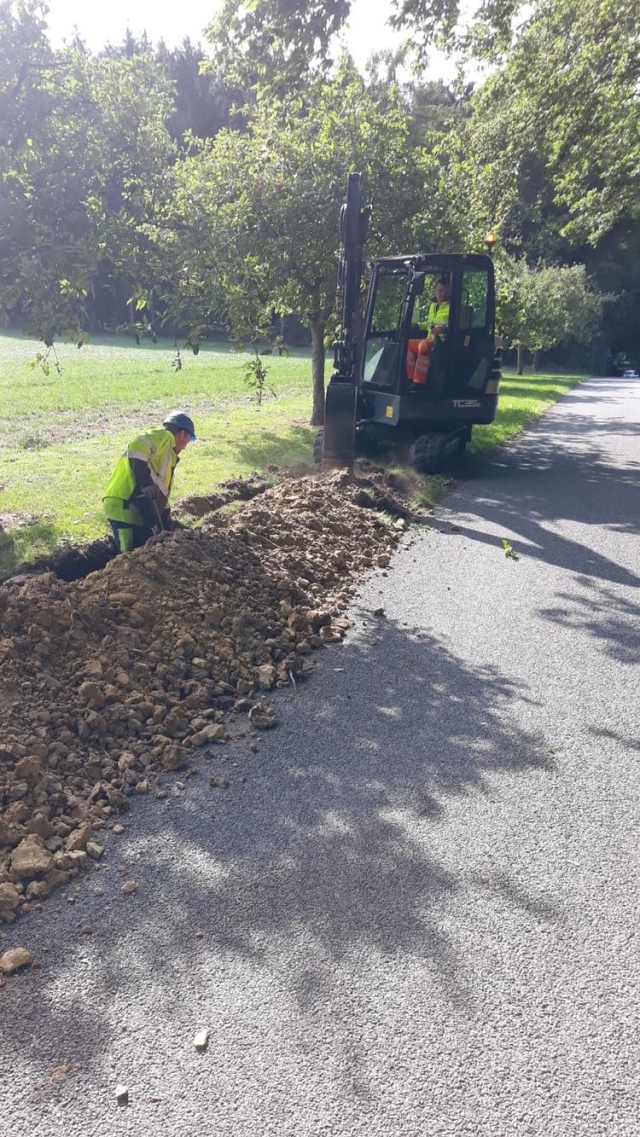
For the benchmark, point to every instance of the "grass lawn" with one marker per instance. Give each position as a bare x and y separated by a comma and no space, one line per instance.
61,433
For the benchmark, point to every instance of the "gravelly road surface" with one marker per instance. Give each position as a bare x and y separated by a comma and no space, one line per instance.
418,911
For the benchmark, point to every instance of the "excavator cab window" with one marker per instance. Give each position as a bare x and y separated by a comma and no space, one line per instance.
474,299
428,297
382,342
474,336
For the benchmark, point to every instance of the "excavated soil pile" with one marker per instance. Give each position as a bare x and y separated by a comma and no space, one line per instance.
105,680
238,489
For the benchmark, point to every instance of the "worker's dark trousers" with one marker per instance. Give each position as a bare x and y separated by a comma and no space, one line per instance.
128,537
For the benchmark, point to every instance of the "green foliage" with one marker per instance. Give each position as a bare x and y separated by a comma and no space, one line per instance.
41,360
509,552
542,307
254,218
273,43
121,177
554,139
84,159
256,379
203,95
428,22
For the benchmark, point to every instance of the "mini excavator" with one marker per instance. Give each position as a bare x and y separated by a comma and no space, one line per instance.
376,392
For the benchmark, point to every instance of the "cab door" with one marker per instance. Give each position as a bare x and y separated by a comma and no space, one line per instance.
473,334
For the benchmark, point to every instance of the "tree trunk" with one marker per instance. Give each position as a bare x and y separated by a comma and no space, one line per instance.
520,359
317,369
536,360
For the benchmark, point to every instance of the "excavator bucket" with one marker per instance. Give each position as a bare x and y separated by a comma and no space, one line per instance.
341,406
340,425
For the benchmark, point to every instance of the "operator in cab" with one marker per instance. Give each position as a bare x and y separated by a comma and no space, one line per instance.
433,328
438,316
136,500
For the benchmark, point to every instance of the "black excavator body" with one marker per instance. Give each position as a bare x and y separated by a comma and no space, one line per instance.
376,389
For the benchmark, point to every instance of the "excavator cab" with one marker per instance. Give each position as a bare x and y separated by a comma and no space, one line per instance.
409,370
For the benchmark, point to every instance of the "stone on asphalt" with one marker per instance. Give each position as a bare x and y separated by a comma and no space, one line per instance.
13,960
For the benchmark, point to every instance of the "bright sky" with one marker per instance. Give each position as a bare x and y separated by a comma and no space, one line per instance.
100,23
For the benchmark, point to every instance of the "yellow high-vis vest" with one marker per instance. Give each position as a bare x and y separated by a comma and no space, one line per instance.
438,314
156,448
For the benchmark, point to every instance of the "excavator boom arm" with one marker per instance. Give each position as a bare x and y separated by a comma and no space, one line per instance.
342,393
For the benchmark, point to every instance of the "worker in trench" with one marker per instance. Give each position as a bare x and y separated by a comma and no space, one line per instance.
136,500
425,334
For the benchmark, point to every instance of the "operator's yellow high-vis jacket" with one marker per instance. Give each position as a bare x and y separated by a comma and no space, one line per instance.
154,447
438,315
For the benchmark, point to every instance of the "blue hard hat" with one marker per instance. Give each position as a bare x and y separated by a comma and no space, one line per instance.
180,421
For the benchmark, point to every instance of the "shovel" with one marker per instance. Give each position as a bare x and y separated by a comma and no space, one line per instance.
158,527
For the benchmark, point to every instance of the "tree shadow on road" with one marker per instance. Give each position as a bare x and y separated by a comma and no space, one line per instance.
557,473
608,617
334,850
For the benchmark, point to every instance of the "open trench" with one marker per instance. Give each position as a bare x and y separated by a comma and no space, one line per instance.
71,562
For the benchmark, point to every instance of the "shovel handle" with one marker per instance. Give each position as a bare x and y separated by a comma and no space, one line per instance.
158,516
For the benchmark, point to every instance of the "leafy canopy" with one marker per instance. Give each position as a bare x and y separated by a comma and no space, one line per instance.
84,160
545,306
552,145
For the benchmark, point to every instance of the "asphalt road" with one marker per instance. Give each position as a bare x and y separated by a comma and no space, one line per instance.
419,910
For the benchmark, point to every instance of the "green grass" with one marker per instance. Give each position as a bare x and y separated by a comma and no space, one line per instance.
61,433
522,399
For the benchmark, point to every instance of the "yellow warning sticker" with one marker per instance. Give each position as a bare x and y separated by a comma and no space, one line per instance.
389,411
467,341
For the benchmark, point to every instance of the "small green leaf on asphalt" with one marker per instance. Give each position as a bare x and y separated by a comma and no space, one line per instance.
508,551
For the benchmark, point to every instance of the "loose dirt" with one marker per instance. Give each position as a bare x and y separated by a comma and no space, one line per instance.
106,681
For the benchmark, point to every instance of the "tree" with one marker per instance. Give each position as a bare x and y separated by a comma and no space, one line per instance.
257,213
540,308
565,90
615,267
28,102
275,43
203,99
85,158
561,118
